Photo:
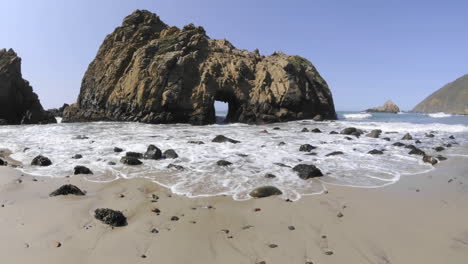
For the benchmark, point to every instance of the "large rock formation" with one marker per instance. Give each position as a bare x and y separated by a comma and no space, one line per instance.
151,72
451,99
388,107
18,103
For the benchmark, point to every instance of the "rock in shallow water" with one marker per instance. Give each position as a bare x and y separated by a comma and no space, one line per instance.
334,153
136,155
153,153
110,217
375,152
306,148
222,139
3,163
82,170
41,161
130,161
407,136
223,163
430,160
66,190
175,166
117,149
306,171
170,154
265,191
374,133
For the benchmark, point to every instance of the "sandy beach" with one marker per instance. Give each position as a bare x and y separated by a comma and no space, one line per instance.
420,219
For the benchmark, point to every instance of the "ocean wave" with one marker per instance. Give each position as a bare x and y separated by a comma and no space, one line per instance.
439,115
357,116
257,154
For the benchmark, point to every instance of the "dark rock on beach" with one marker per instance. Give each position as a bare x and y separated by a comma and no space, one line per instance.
196,142
416,151
148,71
82,170
306,148
430,159
66,190
130,161
223,163
316,130
41,161
305,130
407,136
375,152
18,103
134,155
334,153
374,133
153,153
110,217
439,149
265,191
223,139
306,171
175,166
170,154
77,156
398,144
333,133
117,149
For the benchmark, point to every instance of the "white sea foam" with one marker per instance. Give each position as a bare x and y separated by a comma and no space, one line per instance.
357,116
439,115
202,177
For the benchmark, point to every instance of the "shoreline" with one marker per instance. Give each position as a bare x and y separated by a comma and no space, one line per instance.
419,219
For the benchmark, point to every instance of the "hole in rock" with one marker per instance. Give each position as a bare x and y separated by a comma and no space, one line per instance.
221,111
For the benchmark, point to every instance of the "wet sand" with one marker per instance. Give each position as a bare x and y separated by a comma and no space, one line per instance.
421,219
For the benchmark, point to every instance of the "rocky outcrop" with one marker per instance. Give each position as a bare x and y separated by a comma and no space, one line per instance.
388,107
150,72
18,103
58,112
450,99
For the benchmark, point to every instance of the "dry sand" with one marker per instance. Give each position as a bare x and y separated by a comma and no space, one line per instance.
421,219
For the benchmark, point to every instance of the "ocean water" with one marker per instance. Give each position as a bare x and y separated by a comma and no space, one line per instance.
257,154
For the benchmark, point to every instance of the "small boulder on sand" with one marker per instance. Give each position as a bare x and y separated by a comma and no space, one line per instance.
265,191
110,217
66,190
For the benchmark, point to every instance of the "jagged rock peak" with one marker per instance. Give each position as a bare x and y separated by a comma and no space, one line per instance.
150,72
18,103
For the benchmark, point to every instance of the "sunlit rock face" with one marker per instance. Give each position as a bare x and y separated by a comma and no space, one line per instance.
150,72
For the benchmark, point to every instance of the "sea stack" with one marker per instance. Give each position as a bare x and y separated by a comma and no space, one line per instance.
450,99
388,107
18,103
150,72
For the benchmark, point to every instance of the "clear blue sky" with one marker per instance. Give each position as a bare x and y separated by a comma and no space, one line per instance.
367,50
